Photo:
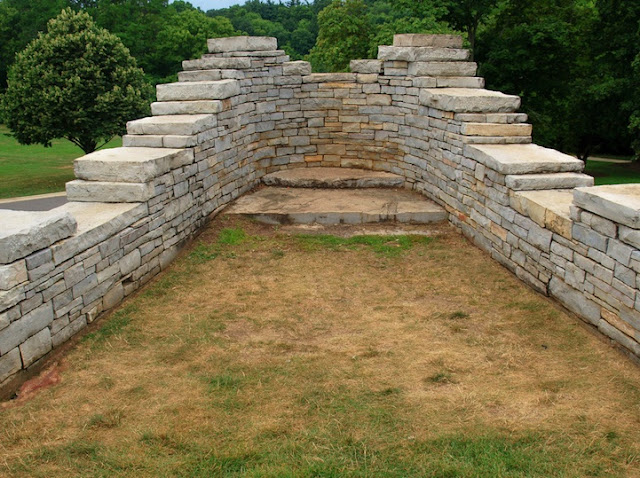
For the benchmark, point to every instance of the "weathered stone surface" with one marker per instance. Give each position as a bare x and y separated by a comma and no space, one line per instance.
10,364
459,82
469,100
13,274
420,40
575,301
238,63
550,209
329,77
198,90
619,203
495,129
23,328
332,178
35,347
296,68
630,236
173,124
425,82
442,68
107,191
528,182
161,108
522,158
130,165
395,53
326,206
242,43
365,66
25,232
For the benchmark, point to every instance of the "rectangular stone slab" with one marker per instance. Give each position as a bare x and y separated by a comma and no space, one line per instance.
198,90
103,191
529,182
210,75
173,124
459,82
442,68
617,202
24,232
469,100
495,129
522,158
420,40
395,53
161,108
550,209
130,165
243,43
296,68
365,66
239,63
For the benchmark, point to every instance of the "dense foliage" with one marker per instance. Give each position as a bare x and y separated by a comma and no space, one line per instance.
77,81
576,63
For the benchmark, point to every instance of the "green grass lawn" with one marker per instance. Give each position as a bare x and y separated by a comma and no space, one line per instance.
613,173
28,170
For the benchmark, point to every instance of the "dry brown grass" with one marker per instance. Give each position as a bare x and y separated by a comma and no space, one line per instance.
278,356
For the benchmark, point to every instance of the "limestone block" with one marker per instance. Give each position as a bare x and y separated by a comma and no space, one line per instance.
25,232
242,43
619,203
528,182
460,82
13,274
173,124
378,100
198,90
550,209
365,66
630,236
161,108
296,68
113,297
239,63
112,192
419,40
200,75
142,141
522,158
329,77
425,82
469,100
130,165
10,364
574,300
23,328
495,129
35,347
442,68
395,53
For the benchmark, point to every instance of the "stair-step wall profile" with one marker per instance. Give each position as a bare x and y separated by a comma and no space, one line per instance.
244,112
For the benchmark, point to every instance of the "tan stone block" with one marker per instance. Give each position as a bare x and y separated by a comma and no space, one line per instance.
313,158
613,319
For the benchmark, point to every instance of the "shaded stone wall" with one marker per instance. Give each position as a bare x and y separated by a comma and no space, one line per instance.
245,110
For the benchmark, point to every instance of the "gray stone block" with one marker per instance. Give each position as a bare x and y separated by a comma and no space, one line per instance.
522,158
296,68
161,108
575,301
36,347
619,203
442,68
173,124
239,63
529,182
23,328
12,275
395,53
10,364
366,66
198,90
241,43
469,100
25,232
110,192
421,40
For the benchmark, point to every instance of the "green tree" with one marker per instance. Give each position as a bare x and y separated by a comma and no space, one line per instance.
77,81
344,34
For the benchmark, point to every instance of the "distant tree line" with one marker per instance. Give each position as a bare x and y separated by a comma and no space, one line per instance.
575,63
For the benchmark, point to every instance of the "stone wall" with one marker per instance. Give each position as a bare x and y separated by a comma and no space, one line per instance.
245,110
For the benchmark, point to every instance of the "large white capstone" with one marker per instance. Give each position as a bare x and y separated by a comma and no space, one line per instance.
198,90
395,53
420,40
24,232
186,125
617,202
469,100
242,43
107,191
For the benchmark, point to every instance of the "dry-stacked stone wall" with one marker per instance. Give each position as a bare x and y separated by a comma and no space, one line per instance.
244,110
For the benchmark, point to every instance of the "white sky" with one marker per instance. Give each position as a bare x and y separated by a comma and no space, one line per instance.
214,4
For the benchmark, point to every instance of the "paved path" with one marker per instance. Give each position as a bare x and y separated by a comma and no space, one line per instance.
42,202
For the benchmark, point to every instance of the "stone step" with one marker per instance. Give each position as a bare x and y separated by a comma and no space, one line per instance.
210,75
547,208
421,40
469,100
443,68
494,139
400,53
130,165
107,191
185,125
241,43
162,141
337,206
495,129
617,202
530,182
522,158
239,63
264,54
162,108
198,90
499,118
448,82
336,178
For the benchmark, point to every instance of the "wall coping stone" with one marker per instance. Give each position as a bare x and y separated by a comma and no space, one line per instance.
618,202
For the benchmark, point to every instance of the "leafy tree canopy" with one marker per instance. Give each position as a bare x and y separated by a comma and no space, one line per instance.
76,81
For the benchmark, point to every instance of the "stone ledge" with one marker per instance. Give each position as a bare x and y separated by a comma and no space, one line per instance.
421,40
198,90
130,165
242,43
522,158
238,63
442,68
529,182
469,100
108,191
396,53
548,209
182,125
162,108
620,202
332,178
25,232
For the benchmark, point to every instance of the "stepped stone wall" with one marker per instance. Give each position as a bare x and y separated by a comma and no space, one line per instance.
244,110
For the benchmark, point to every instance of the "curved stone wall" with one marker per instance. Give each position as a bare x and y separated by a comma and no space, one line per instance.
245,110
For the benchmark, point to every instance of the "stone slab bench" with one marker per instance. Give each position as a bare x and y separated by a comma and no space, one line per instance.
338,178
